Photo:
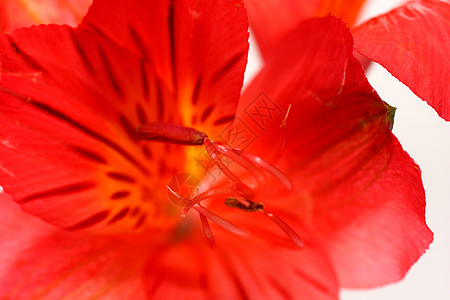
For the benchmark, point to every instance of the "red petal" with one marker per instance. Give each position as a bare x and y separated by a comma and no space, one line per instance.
66,156
338,150
388,234
411,42
265,266
23,13
199,48
302,75
40,261
271,20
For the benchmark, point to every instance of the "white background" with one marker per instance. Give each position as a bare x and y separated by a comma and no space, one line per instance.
426,137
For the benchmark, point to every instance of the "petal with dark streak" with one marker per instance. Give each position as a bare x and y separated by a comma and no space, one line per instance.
199,50
68,146
266,266
41,261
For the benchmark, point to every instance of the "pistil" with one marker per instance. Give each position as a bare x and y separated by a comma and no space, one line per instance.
213,152
205,213
211,193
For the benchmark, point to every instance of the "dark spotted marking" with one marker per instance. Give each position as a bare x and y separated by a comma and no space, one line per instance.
66,119
140,221
238,282
120,195
121,177
207,112
135,211
97,30
128,128
90,221
196,93
160,101
171,26
142,116
241,289
120,215
144,81
282,290
90,155
229,65
137,39
314,282
223,120
83,57
29,60
147,152
254,206
60,191
110,73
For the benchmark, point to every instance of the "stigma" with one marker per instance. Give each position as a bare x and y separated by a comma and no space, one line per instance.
237,193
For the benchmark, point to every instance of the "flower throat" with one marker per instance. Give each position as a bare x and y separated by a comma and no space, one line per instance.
239,194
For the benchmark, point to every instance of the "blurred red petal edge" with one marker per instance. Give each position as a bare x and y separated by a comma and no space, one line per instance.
41,261
15,14
381,244
412,43
271,20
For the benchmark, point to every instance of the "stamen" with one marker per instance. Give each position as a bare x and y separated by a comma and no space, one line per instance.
252,207
255,206
283,122
213,217
295,238
221,222
212,150
282,143
249,166
250,162
268,168
207,230
212,193
171,133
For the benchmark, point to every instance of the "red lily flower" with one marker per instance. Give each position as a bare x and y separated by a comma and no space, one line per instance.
411,41
22,13
72,98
